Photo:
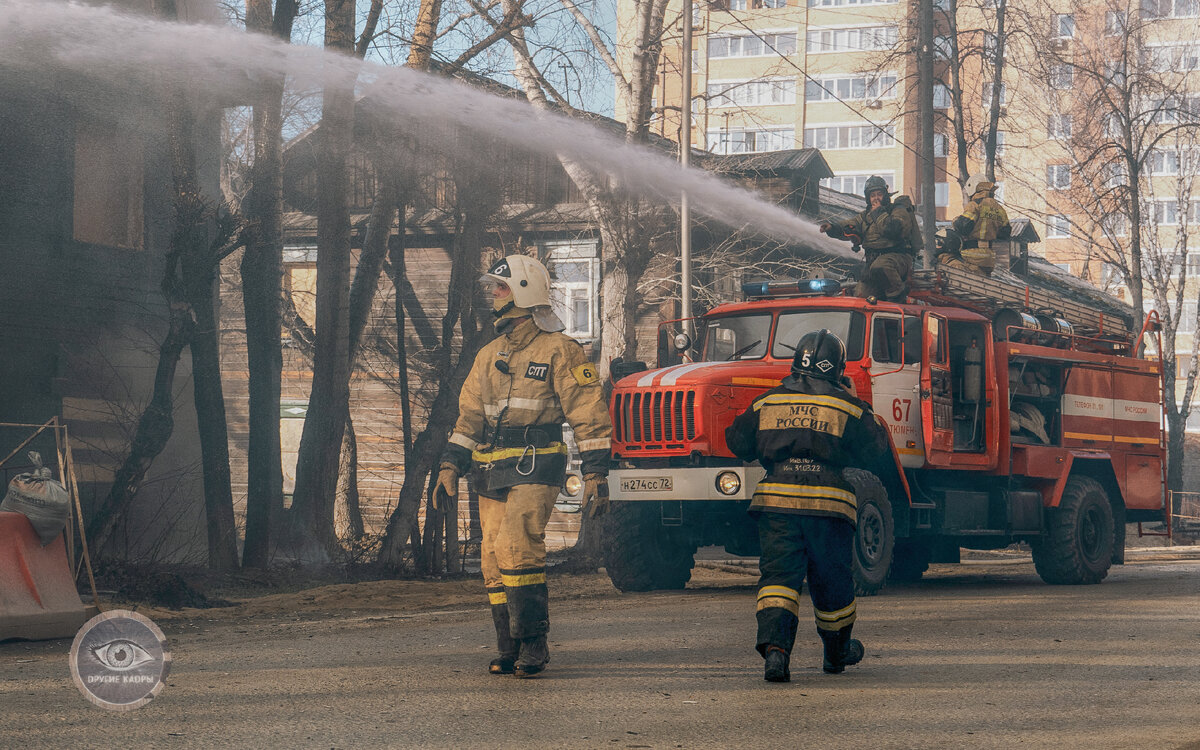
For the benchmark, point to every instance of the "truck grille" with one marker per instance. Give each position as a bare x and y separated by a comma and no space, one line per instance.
659,417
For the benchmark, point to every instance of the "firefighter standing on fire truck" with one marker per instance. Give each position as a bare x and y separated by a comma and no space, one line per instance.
804,433
887,231
521,388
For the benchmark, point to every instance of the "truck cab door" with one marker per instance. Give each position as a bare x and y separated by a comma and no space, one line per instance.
937,397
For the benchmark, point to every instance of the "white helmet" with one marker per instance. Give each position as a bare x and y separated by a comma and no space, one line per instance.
977,182
530,284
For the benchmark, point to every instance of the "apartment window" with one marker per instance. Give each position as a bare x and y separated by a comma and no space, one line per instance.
1115,23
941,47
1061,77
1187,318
855,183
1059,127
1193,265
1062,26
743,141
1170,8
1166,213
861,39
941,194
574,285
850,136
1115,225
1114,72
850,88
843,3
1058,176
759,45
1172,57
1057,227
1001,138
939,144
751,93
770,4
1163,163
941,96
738,4
1112,126
986,95
999,194
1115,174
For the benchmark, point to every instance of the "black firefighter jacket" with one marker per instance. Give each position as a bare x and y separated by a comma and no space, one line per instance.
804,433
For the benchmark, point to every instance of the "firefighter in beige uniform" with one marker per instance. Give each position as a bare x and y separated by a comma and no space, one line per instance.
522,387
968,242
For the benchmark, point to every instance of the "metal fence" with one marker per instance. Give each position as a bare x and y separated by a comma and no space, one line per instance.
1185,512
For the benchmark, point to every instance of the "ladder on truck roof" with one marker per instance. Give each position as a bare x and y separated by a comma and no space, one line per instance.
1004,289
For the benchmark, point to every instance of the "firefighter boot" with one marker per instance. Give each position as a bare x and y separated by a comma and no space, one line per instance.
776,665
841,650
535,654
504,641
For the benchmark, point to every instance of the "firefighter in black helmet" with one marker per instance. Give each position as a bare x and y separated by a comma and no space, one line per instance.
888,233
804,433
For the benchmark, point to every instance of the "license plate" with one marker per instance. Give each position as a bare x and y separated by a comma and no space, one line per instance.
646,484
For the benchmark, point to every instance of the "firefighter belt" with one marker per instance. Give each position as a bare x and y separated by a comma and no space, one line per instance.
794,546
513,556
885,276
532,454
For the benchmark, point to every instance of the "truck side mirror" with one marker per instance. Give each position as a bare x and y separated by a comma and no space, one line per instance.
682,342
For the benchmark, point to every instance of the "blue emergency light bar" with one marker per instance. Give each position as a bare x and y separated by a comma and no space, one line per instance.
818,287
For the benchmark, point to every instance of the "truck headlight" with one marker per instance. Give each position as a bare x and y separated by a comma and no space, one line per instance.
728,483
573,485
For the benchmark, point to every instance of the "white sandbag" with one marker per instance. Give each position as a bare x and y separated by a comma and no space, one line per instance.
39,498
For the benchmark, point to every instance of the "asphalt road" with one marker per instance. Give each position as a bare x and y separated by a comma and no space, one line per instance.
978,655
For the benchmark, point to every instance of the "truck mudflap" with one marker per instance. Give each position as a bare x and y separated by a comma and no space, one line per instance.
633,485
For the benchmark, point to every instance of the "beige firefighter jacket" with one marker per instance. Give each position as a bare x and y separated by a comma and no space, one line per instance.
521,388
983,219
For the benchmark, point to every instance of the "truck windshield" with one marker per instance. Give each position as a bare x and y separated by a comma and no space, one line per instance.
735,337
847,325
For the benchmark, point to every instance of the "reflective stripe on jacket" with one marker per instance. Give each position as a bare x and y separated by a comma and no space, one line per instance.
542,379
804,433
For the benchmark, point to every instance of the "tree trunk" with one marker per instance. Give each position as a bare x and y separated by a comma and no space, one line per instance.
320,443
210,418
261,271
347,492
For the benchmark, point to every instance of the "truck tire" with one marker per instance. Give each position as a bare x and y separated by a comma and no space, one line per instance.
640,554
874,537
910,560
1077,547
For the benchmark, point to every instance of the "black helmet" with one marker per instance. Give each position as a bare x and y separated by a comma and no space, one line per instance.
875,182
820,354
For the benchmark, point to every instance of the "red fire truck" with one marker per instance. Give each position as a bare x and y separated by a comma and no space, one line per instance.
1007,425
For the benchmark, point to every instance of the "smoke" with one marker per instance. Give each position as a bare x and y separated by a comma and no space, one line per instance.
124,56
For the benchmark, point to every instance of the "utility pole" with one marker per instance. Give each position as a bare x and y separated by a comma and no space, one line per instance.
685,154
925,110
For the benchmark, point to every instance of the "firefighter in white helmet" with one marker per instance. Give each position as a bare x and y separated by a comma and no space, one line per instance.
522,387
968,242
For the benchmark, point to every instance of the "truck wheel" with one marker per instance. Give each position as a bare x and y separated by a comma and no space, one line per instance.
1078,544
640,554
909,561
874,538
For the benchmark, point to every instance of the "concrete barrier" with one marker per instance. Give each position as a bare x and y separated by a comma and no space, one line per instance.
38,600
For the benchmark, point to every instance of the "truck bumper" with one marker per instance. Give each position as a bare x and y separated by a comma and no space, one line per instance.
633,485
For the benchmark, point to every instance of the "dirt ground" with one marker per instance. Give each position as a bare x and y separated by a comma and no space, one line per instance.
370,599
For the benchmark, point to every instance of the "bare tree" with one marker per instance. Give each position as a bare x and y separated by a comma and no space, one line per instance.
1123,176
